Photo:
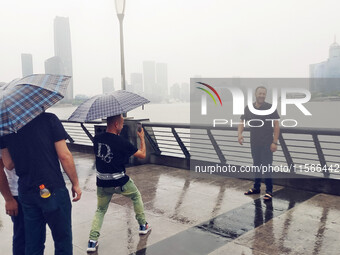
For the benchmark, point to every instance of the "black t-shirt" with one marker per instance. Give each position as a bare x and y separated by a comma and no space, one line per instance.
261,135
34,155
112,153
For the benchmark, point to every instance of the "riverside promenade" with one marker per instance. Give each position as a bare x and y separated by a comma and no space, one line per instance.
194,215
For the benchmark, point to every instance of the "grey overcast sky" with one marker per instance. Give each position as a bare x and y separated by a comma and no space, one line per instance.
211,38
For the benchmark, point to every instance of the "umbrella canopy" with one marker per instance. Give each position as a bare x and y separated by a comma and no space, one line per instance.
106,105
22,100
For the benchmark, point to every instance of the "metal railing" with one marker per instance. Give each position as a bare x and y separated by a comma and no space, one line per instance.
318,148
79,132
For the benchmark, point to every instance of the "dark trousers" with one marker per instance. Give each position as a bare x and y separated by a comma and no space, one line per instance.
54,211
262,155
18,245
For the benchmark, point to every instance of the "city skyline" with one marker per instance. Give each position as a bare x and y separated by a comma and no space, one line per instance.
210,38
329,68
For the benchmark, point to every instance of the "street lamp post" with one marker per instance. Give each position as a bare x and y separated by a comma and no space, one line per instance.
120,8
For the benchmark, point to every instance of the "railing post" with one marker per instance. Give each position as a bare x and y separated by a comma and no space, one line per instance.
320,155
70,138
86,132
181,144
216,147
286,153
152,142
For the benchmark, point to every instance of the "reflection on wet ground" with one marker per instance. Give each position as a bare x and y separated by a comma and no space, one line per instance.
192,214
216,232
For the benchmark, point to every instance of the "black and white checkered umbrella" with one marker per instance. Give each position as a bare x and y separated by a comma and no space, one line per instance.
106,105
24,99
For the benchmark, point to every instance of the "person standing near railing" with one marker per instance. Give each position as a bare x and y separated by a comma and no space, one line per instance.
112,152
264,137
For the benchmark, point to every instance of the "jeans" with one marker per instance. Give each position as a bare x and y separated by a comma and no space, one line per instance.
18,246
104,196
262,155
56,212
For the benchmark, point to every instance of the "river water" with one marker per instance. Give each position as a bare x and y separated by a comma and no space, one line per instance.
170,113
324,114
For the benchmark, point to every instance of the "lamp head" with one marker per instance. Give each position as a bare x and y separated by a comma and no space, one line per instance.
120,7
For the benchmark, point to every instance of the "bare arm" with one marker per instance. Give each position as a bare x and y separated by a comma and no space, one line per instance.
273,146
11,204
69,167
141,153
7,159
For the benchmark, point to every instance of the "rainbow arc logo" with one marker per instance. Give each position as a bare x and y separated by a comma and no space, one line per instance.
209,93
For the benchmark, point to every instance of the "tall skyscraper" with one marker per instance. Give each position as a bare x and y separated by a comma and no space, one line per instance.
149,74
162,80
326,69
107,84
63,49
137,83
26,64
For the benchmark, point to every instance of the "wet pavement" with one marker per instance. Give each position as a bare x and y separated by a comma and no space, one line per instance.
199,214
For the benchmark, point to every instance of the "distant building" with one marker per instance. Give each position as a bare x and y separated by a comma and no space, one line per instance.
175,92
326,69
162,80
129,87
149,75
26,64
63,49
108,85
155,81
80,98
54,65
185,92
137,83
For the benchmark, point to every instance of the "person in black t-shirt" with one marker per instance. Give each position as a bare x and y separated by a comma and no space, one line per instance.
264,135
36,151
112,152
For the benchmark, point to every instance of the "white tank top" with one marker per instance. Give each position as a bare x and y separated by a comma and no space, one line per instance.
12,180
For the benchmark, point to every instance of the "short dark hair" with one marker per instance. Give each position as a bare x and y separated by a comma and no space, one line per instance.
112,119
260,87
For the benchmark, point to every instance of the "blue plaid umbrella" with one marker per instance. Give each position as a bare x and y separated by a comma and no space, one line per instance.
22,100
106,105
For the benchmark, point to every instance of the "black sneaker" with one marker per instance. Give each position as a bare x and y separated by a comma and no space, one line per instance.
92,246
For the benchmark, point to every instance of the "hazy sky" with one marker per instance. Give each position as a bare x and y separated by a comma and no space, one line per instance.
211,38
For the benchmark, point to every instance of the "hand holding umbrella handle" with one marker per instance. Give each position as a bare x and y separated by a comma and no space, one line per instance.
140,132
139,127
141,153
